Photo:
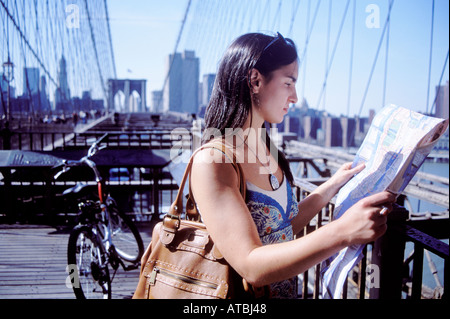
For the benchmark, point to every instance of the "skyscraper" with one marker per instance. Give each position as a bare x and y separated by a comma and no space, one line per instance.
181,89
30,81
156,101
208,84
62,93
442,101
44,102
62,79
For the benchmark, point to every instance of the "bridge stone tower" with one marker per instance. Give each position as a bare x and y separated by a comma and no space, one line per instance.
127,86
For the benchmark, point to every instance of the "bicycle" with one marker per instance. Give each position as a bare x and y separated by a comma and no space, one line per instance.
104,236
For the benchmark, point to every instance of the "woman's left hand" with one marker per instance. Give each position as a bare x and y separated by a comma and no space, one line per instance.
344,174
323,194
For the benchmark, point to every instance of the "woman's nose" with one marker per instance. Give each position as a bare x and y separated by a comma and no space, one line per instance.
293,98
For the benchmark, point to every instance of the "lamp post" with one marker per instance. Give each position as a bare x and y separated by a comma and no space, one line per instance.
8,75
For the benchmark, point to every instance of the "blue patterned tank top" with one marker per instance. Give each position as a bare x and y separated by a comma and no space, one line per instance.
272,212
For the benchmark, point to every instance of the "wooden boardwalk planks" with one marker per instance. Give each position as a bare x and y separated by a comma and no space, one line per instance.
33,260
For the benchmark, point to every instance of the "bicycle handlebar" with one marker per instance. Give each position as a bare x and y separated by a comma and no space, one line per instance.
94,147
101,138
67,164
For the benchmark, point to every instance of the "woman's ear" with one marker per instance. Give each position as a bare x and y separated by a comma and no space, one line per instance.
254,80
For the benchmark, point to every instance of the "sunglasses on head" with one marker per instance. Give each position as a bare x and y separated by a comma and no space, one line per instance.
272,43
278,37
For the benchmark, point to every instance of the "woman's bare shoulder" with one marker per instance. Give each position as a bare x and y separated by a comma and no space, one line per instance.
211,165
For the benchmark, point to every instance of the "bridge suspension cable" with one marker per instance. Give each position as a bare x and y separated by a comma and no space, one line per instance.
391,2
431,57
41,36
388,21
352,49
440,81
322,92
25,41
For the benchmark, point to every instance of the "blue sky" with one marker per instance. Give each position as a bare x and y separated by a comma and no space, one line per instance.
145,32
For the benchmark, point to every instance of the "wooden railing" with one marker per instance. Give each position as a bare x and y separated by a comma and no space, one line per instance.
146,186
383,272
49,141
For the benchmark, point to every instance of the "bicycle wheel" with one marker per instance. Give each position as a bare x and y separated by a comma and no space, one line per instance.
125,235
90,277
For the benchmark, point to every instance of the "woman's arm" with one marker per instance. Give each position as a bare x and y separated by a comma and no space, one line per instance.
314,202
215,187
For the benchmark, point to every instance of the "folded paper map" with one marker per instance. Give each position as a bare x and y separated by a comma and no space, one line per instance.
397,143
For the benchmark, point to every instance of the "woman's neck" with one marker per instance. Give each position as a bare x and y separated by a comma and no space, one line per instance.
252,129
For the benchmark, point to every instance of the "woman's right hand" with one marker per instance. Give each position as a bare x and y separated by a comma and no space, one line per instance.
364,222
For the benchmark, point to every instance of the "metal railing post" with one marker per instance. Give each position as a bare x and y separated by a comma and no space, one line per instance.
388,254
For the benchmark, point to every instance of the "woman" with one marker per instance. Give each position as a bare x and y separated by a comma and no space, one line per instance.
256,84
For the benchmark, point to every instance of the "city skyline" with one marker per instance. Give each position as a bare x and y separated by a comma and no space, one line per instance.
409,45
36,85
406,69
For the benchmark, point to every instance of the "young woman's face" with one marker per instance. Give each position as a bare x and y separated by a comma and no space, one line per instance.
277,93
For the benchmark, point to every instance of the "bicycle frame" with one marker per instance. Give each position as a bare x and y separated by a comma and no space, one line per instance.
98,178
101,222
105,216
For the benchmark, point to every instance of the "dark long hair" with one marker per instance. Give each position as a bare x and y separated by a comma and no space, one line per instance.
230,103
